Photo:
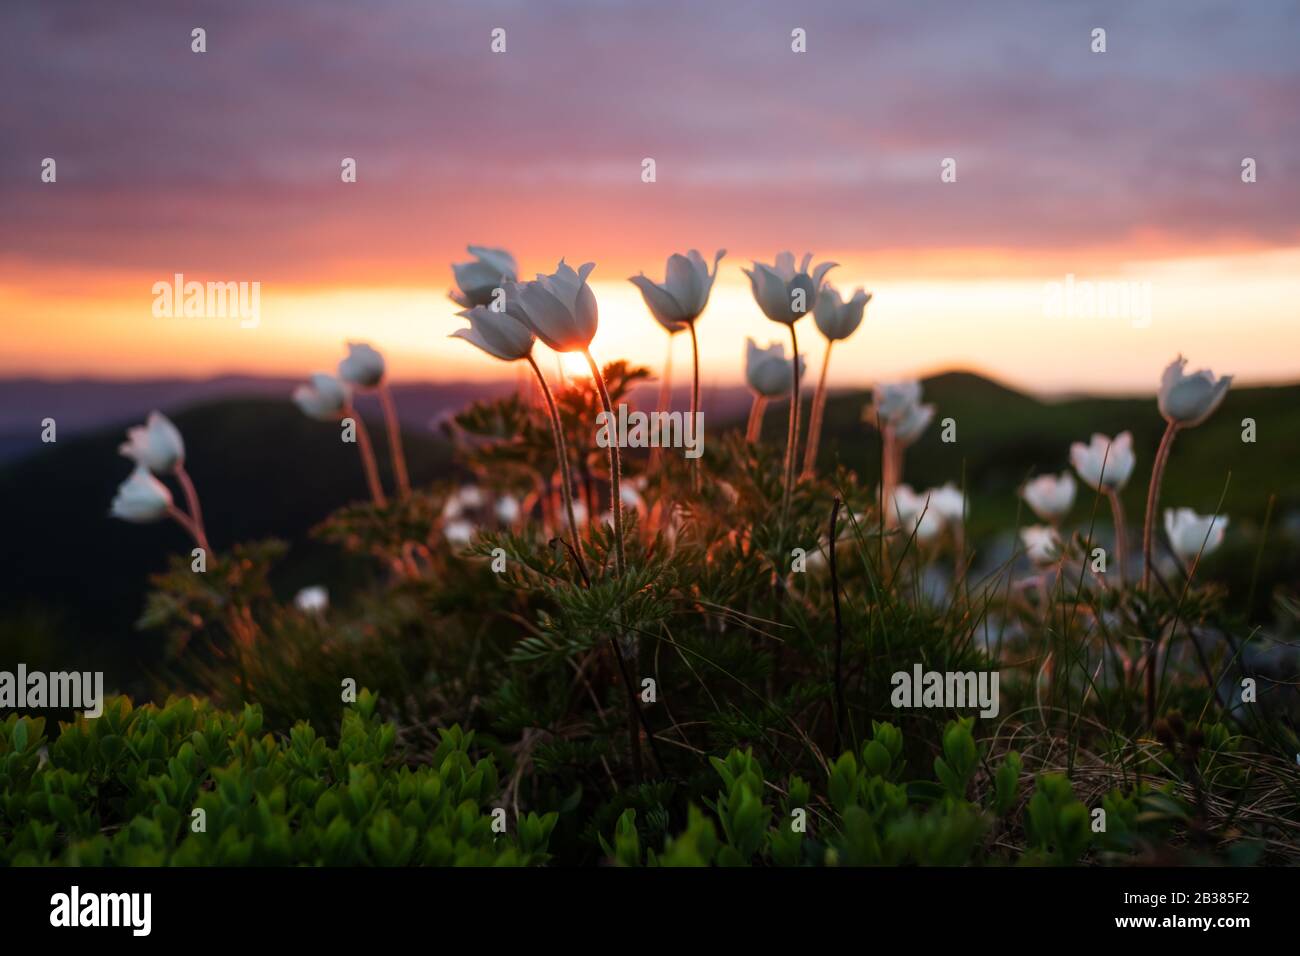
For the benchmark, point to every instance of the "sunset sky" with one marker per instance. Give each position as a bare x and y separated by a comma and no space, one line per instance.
1123,166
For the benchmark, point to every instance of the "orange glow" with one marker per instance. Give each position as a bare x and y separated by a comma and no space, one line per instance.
1229,311
575,366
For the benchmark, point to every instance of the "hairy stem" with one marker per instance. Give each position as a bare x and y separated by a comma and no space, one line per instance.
1148,552
395,440
562,454
368,458
792,439
196,513
695,403
192,529
631,646
815,422
755,426
1121,535
839,632
888,477
665,396
1153,502
615,468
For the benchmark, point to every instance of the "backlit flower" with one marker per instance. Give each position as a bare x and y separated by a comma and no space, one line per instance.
479,280
157,444
768,370
836,318
1188,400
559,309
326,398
1116,457
1042,544
684,293
1191,534
783,293
363,367
499,334
142,498
1051,496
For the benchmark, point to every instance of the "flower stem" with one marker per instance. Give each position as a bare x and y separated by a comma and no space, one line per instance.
1148,550
615,471
755,426
368,458
395,440
792,439
1121,535
839,629
187,523
562,453
196,513
1153,502
695,403
665,396
815,422
888,478
625,647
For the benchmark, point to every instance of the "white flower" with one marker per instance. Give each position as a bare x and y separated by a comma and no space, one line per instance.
479,280
768,371
775,287
312,600
326,398
916,513
363,367
682,296
499,334
579,512
949,503
508,509
631,498
913,420
1191,534
1117,455
1042,544
157,444
458,532
1188,400
894,401
559,309
142,498
471,496
1051,496
836,318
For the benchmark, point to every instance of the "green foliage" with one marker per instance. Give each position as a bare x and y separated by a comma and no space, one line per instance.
955,768
861,819
188,785
1056,822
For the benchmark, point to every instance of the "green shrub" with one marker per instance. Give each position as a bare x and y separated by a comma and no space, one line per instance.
187,785
864,818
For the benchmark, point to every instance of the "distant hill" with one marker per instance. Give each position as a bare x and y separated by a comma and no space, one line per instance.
84,405
1003,436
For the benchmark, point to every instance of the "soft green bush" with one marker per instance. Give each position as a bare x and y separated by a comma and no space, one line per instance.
863,818
127,788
